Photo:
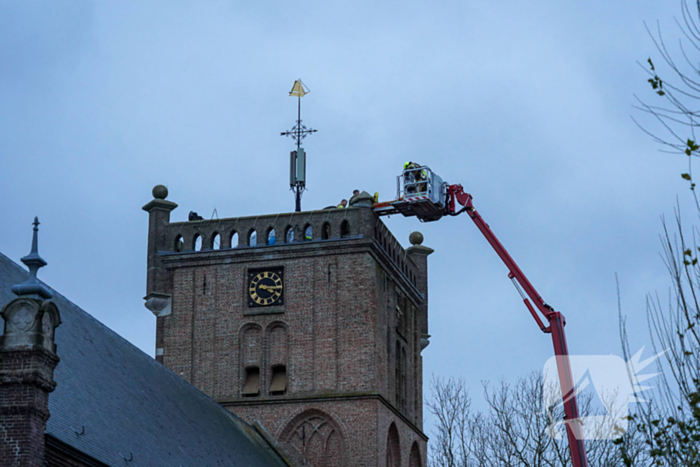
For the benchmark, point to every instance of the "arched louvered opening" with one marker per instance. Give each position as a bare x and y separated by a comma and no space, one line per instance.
344,229
326,231
271,236
308,233
277,348
216,241
251,341
234,239
289,234
197,244
253,238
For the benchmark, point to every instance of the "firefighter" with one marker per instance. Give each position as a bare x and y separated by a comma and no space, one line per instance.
343,204
414,177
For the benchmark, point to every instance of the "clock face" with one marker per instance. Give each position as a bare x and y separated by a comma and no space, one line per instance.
265,287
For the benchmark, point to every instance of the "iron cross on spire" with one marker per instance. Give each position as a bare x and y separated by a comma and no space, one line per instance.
299,130
297,165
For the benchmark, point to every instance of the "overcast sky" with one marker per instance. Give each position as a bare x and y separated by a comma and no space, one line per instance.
526,104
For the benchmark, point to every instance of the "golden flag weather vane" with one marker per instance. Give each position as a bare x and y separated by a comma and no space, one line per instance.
298,131
299,89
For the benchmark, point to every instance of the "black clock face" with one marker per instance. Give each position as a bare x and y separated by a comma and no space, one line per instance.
265,287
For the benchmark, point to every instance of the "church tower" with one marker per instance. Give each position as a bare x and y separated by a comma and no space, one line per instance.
310,324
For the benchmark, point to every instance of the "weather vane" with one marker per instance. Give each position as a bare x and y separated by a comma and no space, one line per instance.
297,165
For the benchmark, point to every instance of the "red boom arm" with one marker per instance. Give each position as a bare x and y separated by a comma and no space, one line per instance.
455,193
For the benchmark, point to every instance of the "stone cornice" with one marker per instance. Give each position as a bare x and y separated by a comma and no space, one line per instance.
159,205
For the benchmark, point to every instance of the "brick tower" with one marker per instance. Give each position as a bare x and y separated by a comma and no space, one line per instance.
309,323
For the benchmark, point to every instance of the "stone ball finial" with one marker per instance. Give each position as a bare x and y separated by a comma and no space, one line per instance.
160,192
416,238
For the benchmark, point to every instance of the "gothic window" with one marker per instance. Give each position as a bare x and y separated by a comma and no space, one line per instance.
415,458
344,229
197,244
289,234
179,244
216,241
271,236
393,447
308,233
252,238
326,231
234,239
251,386
315,440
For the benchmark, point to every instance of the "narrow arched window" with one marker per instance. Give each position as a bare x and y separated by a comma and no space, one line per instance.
179,243
326,231
344,229
308,233
197,244
289,234
216,241
271,236
234,239
252,238
251,340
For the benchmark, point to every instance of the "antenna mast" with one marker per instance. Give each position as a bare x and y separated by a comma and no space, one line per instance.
297,165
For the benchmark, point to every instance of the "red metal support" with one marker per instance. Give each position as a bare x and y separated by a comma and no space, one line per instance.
456,194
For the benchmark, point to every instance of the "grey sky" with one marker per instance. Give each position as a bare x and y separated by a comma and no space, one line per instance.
527,104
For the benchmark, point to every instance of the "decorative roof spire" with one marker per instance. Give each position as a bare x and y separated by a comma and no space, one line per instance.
33,261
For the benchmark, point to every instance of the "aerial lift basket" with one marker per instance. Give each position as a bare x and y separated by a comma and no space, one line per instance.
420,193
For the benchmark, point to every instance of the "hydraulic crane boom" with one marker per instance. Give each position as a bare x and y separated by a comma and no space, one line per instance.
422,193
456,194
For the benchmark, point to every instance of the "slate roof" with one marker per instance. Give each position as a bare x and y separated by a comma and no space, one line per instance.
130,405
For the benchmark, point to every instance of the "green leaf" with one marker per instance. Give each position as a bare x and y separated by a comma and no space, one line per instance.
685,176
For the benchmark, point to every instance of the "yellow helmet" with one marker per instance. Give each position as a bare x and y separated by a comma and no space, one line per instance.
405,165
